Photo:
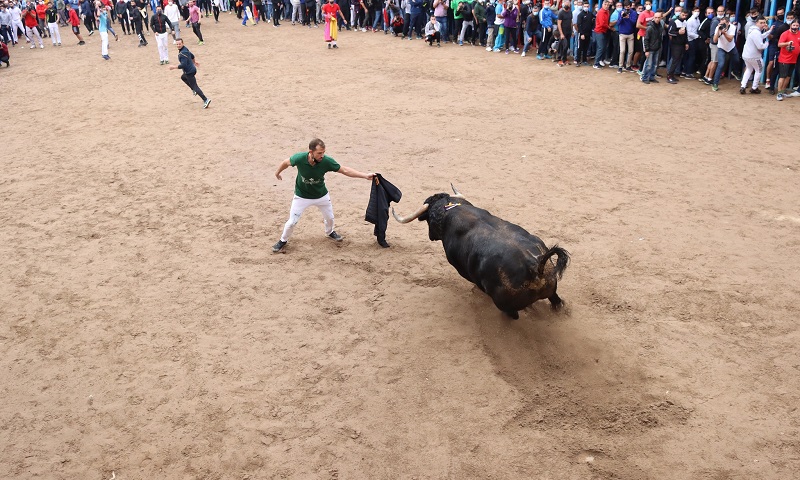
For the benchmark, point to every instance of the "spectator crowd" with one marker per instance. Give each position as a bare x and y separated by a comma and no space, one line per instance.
708,42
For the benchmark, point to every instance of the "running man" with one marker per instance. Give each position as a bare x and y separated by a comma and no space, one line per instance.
76,23
189,67
310,190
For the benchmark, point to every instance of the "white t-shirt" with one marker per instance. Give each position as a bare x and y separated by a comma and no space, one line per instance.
173,13
723,42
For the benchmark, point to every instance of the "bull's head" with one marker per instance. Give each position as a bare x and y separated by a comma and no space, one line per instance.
432,211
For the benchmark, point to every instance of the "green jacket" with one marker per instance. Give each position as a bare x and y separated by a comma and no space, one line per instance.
480,12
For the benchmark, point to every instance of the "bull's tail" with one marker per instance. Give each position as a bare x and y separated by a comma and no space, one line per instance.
561,263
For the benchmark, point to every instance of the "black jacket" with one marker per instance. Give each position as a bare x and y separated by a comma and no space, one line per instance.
653,37
159,23
381,195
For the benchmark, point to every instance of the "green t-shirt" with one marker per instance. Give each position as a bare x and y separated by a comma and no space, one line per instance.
310,181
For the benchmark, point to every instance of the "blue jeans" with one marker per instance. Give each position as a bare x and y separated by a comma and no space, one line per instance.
650,66
378,19
600,41
445,32
722,56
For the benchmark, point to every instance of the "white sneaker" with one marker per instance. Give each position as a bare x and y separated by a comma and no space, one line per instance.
523,54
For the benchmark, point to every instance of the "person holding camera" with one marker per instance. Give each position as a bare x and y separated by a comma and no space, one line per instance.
32,26
725,36
626,28
787,58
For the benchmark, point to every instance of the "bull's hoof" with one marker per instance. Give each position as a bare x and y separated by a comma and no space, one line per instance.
514,315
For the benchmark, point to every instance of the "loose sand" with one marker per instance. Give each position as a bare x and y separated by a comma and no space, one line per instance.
148,330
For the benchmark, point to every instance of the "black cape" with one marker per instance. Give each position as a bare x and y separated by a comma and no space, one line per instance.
381,195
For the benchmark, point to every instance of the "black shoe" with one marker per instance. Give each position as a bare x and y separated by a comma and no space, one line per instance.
653,80
383,243
707,80
742,91
335,236
755,90
671,80
278,247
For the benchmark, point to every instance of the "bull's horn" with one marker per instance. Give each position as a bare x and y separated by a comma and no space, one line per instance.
416,214
456,192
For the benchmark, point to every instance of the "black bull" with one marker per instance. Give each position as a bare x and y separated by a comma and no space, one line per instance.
505,261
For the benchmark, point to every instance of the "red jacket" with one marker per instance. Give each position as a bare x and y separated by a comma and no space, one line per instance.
601,24
73,18
40,9
30,19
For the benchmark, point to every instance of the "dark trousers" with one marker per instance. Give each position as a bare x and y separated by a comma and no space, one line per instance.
511,38
675,58
125,23
88,22
276,14
311,13
137,26
196,30
435,37
613,49
482,34
690,57
215,9
5,33
583,49
546,41
563,49
415,25
188,79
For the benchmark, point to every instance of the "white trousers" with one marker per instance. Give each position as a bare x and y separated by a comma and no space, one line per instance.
14,25
751,65
104,43
161,42
33,33
55,35
299,205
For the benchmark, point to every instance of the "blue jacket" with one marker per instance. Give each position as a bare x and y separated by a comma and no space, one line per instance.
416,7
547,17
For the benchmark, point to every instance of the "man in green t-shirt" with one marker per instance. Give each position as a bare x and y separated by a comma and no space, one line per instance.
309,188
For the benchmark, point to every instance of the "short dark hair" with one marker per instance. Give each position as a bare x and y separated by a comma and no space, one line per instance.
313,144
761,17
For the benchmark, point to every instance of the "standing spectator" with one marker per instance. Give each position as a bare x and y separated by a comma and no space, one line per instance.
137,21
215,10
789,43
679,43
122,15
41,11
160,22
87,12
16,22
546,19
5,24
75,22
627,30
754,47
174,16
652,47
726,52
479,9
297,13
467,19
713,46
62,16
189,67
433,32
440,12
612,52
194,18
311,13
510,25
494,14
564,23
32,26
585,26
779,26
642,21
693,36
599,34
455,26
532,32
277,8
51,16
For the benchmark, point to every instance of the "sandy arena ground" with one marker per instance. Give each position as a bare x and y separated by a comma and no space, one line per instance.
148,330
